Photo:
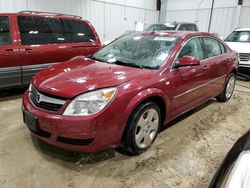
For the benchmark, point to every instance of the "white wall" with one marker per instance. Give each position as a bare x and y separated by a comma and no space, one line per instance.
195,4
227,15
110,17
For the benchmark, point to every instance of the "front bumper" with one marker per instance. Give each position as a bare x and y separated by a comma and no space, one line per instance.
83,134
244,69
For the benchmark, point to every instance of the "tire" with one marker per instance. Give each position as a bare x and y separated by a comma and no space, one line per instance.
142,128
228,90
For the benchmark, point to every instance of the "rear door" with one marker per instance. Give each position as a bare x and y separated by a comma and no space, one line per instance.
217,61
82,37
189,82
10,69
43,43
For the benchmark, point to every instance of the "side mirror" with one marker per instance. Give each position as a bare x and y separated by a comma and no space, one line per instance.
188,61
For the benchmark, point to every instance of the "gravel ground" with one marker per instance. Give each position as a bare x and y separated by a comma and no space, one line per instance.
186,153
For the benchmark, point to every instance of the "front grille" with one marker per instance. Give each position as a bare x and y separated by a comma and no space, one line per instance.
44,101
244,56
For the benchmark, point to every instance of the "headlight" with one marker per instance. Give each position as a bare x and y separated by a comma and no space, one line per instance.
30,87
90,103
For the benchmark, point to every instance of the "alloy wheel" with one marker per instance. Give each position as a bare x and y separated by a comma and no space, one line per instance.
146,128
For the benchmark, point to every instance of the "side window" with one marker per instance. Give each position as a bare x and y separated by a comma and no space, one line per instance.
151,28
183,27
192,48
40,30
223,48
78,31
5,38
191,27
212,47
187,27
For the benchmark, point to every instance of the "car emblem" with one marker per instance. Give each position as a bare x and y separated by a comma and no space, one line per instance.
37,97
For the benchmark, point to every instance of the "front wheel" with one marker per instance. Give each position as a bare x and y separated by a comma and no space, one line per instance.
228,90
142,128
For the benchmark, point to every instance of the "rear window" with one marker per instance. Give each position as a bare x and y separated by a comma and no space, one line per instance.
5,38
239,36
161,27
42,30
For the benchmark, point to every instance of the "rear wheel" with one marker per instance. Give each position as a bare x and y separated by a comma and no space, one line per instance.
142,128
228,90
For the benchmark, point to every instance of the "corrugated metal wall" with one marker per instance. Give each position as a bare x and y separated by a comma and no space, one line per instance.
222,21
111,18
245,15
226,15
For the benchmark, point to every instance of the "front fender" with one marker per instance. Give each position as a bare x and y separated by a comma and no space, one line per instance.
144,95
138,99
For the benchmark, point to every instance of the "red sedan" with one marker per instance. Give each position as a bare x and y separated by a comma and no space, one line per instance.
125,92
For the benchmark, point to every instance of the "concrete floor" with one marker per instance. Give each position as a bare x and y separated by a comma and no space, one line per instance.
186,154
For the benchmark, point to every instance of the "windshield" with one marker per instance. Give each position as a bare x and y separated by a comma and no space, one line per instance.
137,51
161,27
239,36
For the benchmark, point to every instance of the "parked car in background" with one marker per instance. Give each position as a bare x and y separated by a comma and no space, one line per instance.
239,40
31,41
173,26
235,169
126,91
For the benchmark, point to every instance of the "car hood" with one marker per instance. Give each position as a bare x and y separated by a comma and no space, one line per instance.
240,47
80,75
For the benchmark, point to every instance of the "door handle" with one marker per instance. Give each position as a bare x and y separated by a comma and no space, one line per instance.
205,67
9,51
28,50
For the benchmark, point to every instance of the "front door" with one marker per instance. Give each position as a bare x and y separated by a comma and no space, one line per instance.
10,69
189,82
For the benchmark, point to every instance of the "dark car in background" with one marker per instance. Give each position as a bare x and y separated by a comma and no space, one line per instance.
31,41
234,171
172,26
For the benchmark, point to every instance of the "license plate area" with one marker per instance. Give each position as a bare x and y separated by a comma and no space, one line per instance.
31,121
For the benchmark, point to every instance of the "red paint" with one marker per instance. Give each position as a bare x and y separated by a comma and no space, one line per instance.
134,85
19,55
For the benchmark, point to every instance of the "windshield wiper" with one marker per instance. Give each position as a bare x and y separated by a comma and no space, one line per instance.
97,59
119,62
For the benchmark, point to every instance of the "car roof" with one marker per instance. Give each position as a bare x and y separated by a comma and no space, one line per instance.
174,33
180,23
242,29
176,23
42,14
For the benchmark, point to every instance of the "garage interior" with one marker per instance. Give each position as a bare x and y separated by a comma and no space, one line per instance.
187,152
